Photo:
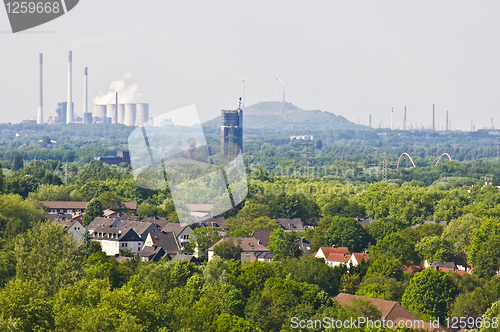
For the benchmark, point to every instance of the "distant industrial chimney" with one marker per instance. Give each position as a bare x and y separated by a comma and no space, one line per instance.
370,120
392,119
433,118
404,120
40,101
69,112
447,120
85,96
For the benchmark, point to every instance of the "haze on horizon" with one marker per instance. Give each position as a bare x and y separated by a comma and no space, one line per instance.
351,58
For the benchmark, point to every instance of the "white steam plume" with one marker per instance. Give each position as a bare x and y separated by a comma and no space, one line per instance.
126,93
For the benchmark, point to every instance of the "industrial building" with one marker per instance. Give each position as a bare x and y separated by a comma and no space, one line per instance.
232,131
127,114
121,157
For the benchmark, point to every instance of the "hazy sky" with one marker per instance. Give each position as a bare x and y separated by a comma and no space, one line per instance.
351,58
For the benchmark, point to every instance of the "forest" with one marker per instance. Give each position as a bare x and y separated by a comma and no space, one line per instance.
49,282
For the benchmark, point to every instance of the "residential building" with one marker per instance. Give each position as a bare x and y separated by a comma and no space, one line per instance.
151,253
188,258
114,240
290,224
334,256
262,237
166,241
251,248
63,207
181,231
391,311
72,225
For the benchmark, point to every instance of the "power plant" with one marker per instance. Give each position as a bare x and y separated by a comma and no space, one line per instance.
130,114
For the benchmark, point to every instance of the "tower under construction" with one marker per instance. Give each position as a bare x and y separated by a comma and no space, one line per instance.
232,131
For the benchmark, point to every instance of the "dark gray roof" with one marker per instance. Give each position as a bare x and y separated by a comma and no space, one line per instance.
263,237
102,222
118,235
189,258
174,227
291,224
365,221
167,241
152,253
265,255
304,246
214,222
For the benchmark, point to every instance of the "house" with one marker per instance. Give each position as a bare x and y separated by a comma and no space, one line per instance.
181,231
251,248
365,221
357,257
265,257
142,228
217,223
448,267
167,241
72,225
189,258
392,312
113,240
427,222
262,237
72,207
103,222
200,210
151,253
110,213
334,256
290,224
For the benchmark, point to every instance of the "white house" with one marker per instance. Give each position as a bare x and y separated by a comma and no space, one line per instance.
117,239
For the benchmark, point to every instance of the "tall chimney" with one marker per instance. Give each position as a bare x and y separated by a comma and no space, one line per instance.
370,120
40,101
85,95
447,120
404,120
69,108
392,119
433,118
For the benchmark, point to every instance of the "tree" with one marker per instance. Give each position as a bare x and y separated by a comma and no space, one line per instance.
201,239
21,185
283,245
434,249
390,268
430,292
18,162
93,189
1,179
228,250
110,200
27,303
50,256
487,262
94,209
17,216
383,227
459,232
347,232
231,323
398,246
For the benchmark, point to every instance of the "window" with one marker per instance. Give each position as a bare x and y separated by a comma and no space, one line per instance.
70,210
248,254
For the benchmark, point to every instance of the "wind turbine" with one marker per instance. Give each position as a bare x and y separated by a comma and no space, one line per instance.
243,89
277,80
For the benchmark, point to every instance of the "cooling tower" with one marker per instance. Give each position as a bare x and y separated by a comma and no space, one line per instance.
111,112
142,114
130,113
121,113
100,113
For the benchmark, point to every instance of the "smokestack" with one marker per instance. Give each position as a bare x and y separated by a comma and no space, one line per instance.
392,119
404,120
370,120
85,95
69,113
447,120
40,101
433,118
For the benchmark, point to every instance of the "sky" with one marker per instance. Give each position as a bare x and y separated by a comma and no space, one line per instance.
350,58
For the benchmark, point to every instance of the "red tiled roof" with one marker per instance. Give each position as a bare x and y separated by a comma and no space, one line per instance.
338,258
